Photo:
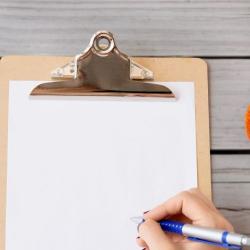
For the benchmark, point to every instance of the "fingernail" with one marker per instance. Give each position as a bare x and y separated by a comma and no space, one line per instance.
145,213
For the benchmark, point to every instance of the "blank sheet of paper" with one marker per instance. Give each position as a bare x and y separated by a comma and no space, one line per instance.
80,167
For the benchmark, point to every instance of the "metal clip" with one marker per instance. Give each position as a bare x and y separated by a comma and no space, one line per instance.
103,70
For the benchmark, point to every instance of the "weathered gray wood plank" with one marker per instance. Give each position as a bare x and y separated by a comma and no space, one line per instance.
229,82
231,189
231,169
231,181
234,196
239,219
183,27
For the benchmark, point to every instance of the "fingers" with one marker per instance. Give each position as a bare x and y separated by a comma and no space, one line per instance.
184,203
221,222
194,206
153,236
140,242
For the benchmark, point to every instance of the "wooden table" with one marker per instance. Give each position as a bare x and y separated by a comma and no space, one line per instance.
218,31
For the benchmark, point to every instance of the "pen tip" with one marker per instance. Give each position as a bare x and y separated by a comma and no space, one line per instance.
137,220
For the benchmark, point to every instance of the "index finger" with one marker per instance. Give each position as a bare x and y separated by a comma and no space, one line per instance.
184,203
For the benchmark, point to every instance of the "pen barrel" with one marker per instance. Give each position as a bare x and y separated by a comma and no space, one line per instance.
213,235
172,226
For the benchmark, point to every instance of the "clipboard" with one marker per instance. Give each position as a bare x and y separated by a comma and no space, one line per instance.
164,69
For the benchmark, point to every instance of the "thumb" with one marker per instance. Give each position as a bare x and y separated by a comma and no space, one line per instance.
151,232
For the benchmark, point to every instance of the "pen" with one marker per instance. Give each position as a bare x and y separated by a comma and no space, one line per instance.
200,234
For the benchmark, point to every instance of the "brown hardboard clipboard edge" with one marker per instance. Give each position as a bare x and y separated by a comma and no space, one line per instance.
165,69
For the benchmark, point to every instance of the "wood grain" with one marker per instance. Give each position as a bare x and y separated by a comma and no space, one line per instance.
229,82
234,196
142,27
231,181
231,169
159,28
231,185
239,219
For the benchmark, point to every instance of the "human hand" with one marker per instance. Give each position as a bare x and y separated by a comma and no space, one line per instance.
189,206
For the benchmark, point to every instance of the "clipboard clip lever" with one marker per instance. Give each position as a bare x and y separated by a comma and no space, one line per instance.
103,70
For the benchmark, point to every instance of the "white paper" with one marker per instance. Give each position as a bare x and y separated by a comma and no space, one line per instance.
80,167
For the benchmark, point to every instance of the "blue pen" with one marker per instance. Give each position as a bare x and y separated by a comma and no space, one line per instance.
200,234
